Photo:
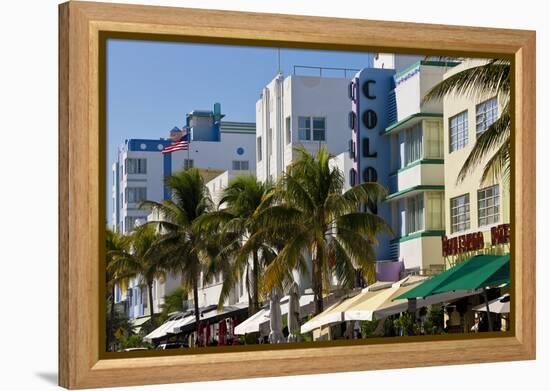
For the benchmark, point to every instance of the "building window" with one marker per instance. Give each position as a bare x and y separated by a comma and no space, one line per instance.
269,142
188,163
434,211
144,298
458,131
259,148
413,144
433,140
312,128
288,131
486,114
304,128
319,129
460,213
136,194
352,119
136,166
488,205
240,165
415,213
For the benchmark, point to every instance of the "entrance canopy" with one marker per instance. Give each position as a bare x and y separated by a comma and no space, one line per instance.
478,272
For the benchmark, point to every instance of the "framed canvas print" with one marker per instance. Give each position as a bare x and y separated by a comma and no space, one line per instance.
246,195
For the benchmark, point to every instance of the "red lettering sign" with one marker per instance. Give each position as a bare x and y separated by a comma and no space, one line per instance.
500,234
474,241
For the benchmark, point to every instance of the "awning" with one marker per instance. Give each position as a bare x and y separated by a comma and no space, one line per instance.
137,323
497,306
185,321
259,322
212,316
373,301
478,272
165,328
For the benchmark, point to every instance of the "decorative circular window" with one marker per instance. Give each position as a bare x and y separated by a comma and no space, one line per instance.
160,147
240,151
143,146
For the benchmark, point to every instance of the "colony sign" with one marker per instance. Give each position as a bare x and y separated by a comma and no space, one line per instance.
475,241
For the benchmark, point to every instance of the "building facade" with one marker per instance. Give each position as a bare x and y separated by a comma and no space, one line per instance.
299,110
478,211
138,174
417,178
140,169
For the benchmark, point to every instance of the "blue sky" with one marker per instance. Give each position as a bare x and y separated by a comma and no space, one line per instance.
152,85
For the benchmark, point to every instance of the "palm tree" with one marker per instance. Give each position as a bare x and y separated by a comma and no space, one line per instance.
242,199
493,145
114,243
183,247
142,260
310,210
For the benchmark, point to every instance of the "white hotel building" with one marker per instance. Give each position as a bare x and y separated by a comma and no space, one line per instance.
311,111
138,174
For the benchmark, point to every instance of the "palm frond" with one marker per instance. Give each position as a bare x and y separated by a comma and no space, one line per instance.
491,78
494,137
498,166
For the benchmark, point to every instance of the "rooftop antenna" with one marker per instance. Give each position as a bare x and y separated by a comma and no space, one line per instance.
278,60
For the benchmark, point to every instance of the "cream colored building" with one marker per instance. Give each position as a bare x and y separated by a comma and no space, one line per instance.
417,169
471,206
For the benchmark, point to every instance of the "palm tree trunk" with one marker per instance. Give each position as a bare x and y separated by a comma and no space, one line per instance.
111,318
255,266
151,309
317,285
196,304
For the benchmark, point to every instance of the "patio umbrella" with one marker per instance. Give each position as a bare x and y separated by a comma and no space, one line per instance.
293,315
500,305
259,322
275,318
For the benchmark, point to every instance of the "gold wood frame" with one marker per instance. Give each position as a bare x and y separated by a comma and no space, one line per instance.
82,181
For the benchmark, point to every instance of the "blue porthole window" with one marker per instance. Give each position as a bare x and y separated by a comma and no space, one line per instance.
240,151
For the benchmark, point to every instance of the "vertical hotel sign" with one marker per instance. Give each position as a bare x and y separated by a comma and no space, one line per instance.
369,148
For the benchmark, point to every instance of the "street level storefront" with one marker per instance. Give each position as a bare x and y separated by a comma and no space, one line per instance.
486,275
215,328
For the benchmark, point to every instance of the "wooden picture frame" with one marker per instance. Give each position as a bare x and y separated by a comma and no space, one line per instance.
81,182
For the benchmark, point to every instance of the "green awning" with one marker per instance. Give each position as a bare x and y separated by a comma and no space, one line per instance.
477,272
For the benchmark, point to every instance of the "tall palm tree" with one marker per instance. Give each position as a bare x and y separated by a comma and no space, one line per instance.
183,247
310,210
114,243
492,147
241,199
142,260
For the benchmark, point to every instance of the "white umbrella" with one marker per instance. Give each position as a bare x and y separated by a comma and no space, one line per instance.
275,318
497,306
259,322
293,315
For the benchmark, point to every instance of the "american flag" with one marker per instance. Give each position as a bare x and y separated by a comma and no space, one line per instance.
180,143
